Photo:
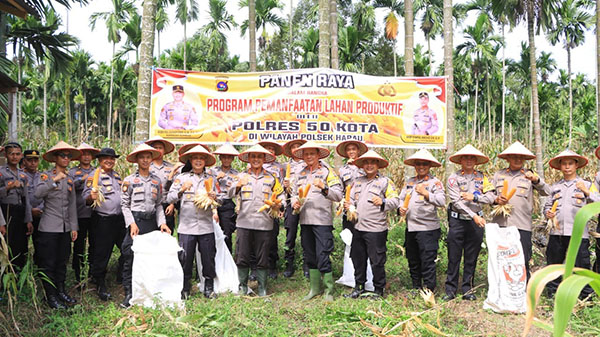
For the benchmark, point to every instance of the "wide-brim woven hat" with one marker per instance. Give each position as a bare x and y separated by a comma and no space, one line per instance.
277,146
226,149
469,150
381,162
516,149
555,162
341,148
132,157
185,148
169,147
299,152
422,155
86,147
209,159
287,147
269,157
597,152
61,146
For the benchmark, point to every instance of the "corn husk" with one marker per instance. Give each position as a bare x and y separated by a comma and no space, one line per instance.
271,205
203,201
287,171
552,224
302,195
100,199
503,210
428,296
340,209
352,215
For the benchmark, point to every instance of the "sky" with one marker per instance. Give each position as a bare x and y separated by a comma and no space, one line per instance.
96,43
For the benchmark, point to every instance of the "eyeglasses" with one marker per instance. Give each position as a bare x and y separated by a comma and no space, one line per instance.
64,155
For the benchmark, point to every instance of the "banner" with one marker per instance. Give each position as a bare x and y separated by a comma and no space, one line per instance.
322,105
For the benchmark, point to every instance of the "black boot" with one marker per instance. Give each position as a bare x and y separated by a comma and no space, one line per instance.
273,273
62,295
252,276
209,289
126,301
185,294
289,269
54,303
379,291
358,290
103,293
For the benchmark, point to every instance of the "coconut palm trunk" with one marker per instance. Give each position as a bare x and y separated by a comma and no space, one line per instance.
539,161
333,29
409,67
110,95
476,104
598,67
503,85
324,36
184,45
144,84
252,33
570,94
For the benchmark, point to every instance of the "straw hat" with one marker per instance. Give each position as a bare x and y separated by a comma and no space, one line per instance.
278,148
381,162
422,154
226,149
209,159
323,151
469,150
50,155
169,147
555,162
85,147
516,149
132,157
184,148
341,148
257,149
597,152
287,147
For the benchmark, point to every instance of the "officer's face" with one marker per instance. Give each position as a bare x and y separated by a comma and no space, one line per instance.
178,95
63,159
515,162
256,160
424,100
352,151
226,160
86,157
371,166
198,162
468,162
310,156
13,155
293,148
106,163
144,160
422,168
270,148
159,146
31,164
568,166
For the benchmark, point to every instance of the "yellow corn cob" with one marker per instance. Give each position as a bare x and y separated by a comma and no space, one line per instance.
505,188
511,193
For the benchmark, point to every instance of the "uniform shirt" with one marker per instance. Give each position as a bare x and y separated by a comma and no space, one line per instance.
15,196
110,186
178,116
224,183
522,200
475,183
32,180
421,214
317,206
60,208
162,172
425,122
570,199
79,175
276,169
595,193
192,221
259,188
142,194
350,172
372,218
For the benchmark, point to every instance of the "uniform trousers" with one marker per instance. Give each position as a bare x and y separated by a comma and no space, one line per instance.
252,246
527,248
556,252
170,219
105,232
79,246
421,252
274,247
464,236
369,246
227,217
53,254
347,223
36,225
290,224
16,233
597,263
317,245
146,223
208,250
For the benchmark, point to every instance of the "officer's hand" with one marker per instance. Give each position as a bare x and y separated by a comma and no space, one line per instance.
133,230
94,194
532,177
296,205
466,196
581,185
216,217
347,204
165,229
422,190
59,176
479,221
73,235
318,183
402,211
286,183
13,184
170,209
550,214
174,171
36,212
501,200
212,195
242,181
186,186
377,201
29,228
3,230
220,175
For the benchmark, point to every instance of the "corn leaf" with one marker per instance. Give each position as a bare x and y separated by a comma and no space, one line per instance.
585,214
566,298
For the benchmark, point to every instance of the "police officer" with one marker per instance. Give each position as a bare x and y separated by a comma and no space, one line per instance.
162,168
178,115
350,149
255,185
15,205
29,164
196,224
58,225
372,195
316,219
425,119
80,174
108,225
225,176
465,219
141,202
597,187
422,222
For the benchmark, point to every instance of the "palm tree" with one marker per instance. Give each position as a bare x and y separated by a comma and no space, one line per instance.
144,81
309,49
133,29
324,34
570,27
396,7
431,24
161,20
187,11
82,76
252,33
263,16
219,20
115,20
409,31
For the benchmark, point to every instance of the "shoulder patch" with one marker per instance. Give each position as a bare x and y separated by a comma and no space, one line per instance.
391,191
451,182
44,177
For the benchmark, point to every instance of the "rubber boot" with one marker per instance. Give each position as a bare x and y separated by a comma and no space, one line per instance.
209,288
289,268
261,275
328,283
243,278
315,284
63,296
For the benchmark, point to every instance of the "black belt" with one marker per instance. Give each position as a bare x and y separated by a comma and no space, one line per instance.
461,216
144,215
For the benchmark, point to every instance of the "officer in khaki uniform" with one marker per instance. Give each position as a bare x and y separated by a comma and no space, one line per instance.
350,149
424,118
58,225
422,222
465,219
29,165
524,181
80,174
177,114
225,176
316,218
162,169
569,194
372,195
108,226
141,203
255,185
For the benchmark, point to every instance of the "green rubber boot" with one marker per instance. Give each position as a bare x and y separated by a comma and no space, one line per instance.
243,278
328,282
315,284
261,275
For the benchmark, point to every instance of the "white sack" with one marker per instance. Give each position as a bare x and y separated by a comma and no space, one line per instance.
225,268
347,277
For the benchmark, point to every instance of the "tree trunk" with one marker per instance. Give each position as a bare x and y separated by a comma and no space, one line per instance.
475,108
68,108
45,128
539,161
598,68
252,33
324,36
184,45
449,72
395,62
489,107
333,30
503,86
467,120
530,123
144,85
570,95
110,98
291,40
409,68
158,44
85,121
429,55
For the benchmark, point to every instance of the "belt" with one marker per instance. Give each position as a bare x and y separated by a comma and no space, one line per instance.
144,215
461,216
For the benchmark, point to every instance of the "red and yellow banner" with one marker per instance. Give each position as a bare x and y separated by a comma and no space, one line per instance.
323,105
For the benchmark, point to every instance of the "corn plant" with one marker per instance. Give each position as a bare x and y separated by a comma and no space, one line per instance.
574,279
